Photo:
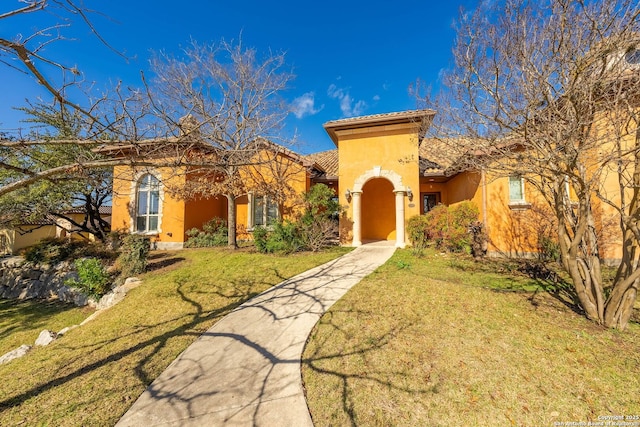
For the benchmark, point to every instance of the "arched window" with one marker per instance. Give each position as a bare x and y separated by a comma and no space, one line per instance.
148,204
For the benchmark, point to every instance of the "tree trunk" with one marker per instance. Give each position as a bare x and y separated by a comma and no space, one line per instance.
619,307
231,221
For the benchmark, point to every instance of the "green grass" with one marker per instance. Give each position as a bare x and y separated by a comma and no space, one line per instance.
93,374
441,340
22,321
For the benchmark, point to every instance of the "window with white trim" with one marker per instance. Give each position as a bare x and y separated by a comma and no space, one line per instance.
516,189
148,204
264,211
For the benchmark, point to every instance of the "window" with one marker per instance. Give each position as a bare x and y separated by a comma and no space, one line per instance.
516,189
264,211
429,201
633,56
148,204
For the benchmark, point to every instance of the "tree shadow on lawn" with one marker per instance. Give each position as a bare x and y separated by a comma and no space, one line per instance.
275,306
246,365
387,376
29,312
188,326
543,280
160,260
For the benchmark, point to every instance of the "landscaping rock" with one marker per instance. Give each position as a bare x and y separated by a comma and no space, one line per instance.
46,337
15,354
112,298
90,318
22,280
131,282
65,330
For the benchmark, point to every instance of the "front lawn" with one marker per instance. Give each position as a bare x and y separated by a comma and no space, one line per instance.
442,341
93,374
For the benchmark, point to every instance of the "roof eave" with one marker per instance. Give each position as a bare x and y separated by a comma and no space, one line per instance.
334,126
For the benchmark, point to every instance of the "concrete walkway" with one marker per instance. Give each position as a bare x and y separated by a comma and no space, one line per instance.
245,370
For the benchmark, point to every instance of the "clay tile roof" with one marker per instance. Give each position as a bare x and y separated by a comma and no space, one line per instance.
376,120
373,118
437,156
326,160
102,210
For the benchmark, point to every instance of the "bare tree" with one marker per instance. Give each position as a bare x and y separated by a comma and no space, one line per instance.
116,116
550,91
27,52
226,98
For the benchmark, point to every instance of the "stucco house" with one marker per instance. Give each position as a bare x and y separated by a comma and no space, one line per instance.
383,171
16,237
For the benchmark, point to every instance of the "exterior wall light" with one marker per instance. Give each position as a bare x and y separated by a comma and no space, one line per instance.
409,193
347,194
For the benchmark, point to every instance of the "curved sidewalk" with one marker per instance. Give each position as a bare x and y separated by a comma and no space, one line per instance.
245,370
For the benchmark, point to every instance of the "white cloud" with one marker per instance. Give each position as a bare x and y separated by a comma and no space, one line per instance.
304,105
376,98
347,105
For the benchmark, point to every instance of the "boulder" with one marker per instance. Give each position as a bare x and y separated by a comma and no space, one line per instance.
45,338
111,298
15,354
131,282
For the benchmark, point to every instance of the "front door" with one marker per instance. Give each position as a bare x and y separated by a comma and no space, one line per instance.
429,201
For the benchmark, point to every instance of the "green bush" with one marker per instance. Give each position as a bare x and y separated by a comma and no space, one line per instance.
318,226
315,229
462,215
213,233
93,279
53,250
282,237
260,236
548,248
134,252
417,228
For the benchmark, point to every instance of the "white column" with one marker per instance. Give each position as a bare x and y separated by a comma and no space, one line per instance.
357,218
400,219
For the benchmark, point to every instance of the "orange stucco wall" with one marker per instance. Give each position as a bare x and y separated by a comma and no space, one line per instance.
172,210
200,210
389,149
178,216
12,241
515,229
378,202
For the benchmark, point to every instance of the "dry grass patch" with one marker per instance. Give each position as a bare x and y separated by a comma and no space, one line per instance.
406,348
93,374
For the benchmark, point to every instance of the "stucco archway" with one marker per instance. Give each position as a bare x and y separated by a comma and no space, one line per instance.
398,189
378,210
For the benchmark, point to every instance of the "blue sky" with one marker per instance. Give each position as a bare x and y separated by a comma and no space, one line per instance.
349,57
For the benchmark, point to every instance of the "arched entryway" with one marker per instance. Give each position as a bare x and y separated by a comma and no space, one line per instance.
358,212
378,210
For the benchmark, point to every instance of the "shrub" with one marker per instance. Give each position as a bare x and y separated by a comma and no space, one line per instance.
417,228
315,229
282,237
548,248
133,254
446,226
54,250
318,226
213,233
479,240
93,279
260,236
